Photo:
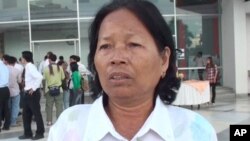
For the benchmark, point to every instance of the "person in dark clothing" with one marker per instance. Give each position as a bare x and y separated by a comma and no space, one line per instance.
4,97
31,98
212,72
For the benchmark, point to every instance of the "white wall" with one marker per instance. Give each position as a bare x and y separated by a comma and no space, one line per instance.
228,56
240,47
234,48
248,38
248,45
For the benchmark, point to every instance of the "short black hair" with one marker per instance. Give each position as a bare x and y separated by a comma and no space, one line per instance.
28,56
73,57
11,60
6,57
78,58
15,59
152,19
61,58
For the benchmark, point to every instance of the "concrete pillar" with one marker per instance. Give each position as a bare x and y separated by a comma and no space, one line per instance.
234,48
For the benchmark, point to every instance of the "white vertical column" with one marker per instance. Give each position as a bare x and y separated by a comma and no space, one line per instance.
248,46
78,28
240,47
234,50
30,33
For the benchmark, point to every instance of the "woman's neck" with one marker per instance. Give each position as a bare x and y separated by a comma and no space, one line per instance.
128,120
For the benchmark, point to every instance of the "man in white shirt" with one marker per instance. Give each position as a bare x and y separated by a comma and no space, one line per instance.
82,69
200,62
31,99
4,95
43,64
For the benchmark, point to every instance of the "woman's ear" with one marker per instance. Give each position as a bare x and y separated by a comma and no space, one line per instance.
165,58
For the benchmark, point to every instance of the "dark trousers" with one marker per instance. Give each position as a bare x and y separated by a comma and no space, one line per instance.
82,98
31,106
200,74
213,86
4,107
21,99
76,97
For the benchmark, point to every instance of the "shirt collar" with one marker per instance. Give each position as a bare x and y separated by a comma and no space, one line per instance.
159,122
100,125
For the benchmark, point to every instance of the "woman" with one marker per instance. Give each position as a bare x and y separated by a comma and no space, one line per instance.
53,75
212,71
131,57
14,101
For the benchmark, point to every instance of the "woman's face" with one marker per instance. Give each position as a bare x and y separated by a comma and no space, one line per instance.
208,61
126,59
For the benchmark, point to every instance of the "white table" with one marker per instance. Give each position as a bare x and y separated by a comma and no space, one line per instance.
193,92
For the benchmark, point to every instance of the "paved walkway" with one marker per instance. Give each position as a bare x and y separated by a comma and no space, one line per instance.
227,110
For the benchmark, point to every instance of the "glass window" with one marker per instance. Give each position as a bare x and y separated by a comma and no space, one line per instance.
84,24
90,7
165,6
52,9
198,34
197,6
9,3
54,30
170,22
14,38
58,48
13,10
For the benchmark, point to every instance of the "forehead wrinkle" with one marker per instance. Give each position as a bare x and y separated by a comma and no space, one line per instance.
127,35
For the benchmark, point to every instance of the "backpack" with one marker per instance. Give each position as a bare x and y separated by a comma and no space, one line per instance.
84,84
65,83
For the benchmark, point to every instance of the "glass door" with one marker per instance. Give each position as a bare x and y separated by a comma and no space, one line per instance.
64,48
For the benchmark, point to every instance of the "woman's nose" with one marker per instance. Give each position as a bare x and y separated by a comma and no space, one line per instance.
119,57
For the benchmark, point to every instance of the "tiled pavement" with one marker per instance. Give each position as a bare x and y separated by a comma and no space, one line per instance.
228,109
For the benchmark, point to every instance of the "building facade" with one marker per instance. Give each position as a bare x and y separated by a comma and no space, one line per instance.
216,28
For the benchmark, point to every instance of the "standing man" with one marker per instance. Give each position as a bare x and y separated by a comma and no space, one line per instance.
31,98
4,95
198,59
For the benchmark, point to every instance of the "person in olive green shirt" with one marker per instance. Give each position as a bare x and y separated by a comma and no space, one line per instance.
53,75
76,79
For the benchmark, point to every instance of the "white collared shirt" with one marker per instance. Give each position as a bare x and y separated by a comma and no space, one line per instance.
33,78
165,123
82,69
4,75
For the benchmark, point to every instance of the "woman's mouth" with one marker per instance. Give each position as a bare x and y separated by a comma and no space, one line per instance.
119,76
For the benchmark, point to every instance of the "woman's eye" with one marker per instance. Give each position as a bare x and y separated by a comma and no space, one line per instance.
134,45
105,46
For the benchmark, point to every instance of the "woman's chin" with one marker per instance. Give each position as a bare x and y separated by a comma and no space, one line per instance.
120,93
